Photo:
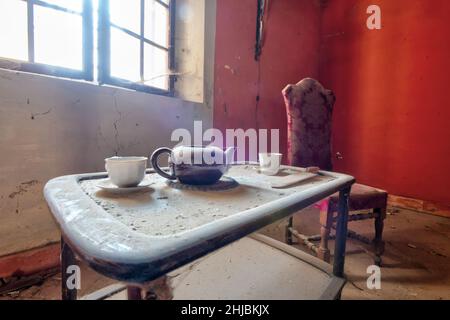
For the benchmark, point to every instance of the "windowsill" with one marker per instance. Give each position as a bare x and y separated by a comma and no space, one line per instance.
96,84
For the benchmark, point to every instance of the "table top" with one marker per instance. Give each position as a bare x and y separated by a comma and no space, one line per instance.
140,236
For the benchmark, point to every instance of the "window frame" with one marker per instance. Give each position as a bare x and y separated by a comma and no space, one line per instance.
86,73
103,34
104,52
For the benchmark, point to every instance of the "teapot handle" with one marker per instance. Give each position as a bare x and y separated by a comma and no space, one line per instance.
154,160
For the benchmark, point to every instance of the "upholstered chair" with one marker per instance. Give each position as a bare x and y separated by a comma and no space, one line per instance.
309,109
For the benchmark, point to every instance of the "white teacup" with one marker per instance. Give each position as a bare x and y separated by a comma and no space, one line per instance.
126,172
269,163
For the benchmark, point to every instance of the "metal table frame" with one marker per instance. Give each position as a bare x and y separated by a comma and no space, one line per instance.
67,200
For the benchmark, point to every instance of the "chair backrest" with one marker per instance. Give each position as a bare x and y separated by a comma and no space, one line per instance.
309,108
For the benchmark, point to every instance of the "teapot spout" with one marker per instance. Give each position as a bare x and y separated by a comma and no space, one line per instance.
229,155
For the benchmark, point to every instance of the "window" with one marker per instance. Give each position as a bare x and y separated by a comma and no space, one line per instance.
136,48
135,42
52,36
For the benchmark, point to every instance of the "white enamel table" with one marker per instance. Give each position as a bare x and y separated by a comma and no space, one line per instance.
138,237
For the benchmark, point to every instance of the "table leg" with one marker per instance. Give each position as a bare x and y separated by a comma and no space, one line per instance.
67,260
341,233
134,293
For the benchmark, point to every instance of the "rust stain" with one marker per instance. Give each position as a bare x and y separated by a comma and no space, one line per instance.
23,188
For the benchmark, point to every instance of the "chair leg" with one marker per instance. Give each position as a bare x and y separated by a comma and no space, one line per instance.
378,241
134,293
158,289
326,221
288,234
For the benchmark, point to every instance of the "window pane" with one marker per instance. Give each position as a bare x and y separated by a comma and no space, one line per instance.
156,67
58,38
74,5
125,55
156,23
13,29
126,14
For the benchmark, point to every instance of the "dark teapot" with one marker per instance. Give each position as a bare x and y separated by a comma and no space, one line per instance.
195,165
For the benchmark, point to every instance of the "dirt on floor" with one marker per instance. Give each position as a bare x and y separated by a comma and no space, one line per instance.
416,263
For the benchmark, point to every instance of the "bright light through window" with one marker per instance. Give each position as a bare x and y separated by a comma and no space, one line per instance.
137,48
124,56
129,37
156,22
57,32
13,29
75,5
58,38
126,14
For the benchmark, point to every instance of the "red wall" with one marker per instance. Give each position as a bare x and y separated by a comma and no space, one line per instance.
292,38
392,111
392,115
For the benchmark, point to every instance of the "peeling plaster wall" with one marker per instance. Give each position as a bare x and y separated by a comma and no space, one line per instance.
51,127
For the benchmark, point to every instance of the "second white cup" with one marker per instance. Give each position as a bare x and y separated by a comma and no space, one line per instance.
270,163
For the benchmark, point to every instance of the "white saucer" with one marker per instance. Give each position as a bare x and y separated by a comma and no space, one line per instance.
108,186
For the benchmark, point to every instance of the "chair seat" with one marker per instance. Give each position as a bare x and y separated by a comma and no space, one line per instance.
256,267
361,197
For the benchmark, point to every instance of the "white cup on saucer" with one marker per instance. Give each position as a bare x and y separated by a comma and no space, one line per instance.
126,172
269,163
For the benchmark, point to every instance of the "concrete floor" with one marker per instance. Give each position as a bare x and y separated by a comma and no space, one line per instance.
416,264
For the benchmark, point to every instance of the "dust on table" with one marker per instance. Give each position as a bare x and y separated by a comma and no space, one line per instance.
165,211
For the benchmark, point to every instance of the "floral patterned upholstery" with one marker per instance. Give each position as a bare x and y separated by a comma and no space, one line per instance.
309,108
361,197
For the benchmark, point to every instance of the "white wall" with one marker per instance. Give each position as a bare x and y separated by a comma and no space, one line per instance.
51,127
